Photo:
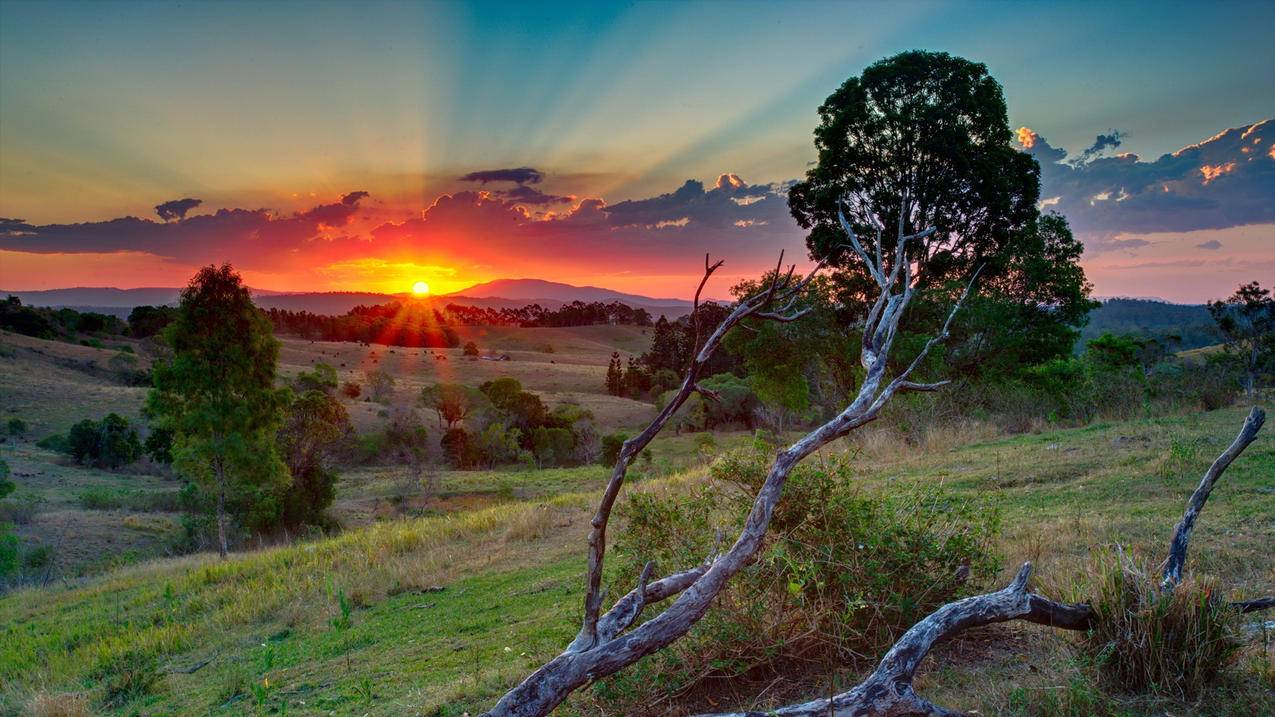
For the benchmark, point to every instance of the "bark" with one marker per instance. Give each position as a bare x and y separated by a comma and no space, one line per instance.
888,690
220,472
1182,532
602,647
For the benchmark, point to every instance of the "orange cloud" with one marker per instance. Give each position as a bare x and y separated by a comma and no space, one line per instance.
1027,137
1214,171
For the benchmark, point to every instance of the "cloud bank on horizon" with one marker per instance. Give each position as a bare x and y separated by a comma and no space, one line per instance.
1121,206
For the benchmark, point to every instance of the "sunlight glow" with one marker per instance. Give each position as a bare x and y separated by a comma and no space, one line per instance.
420,288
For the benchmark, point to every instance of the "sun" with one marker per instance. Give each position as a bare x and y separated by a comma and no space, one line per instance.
420,288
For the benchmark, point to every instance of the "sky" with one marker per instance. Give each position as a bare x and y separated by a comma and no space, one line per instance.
366,146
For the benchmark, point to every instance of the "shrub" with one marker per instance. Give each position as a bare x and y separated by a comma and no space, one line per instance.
1145,639
322,378
843,571
351,389
612,444
109,443
56,442
471,348
16,426
99,499
159,445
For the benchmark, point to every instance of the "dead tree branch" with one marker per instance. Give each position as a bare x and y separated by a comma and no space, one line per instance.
888,690
605,642
1182,532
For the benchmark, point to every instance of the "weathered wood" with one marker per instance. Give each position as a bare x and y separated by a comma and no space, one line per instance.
888,690
1182,532
605,643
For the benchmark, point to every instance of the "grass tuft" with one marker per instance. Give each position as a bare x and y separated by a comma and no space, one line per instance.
1148,640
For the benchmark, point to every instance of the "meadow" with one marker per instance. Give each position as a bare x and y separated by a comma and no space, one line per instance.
437,608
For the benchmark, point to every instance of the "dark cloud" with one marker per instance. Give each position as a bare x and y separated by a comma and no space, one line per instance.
1225,181
1211,245
523,194
177,208
253,237
1101,143
521,175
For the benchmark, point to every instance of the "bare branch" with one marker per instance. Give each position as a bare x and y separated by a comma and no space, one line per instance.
1182,532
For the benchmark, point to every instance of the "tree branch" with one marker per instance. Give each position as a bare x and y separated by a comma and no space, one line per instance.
1182,532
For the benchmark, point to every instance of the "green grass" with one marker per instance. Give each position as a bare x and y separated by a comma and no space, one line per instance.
511,578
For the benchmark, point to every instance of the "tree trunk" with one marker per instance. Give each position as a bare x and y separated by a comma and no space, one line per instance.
220,471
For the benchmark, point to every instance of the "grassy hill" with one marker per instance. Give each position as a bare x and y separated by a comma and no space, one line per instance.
438,615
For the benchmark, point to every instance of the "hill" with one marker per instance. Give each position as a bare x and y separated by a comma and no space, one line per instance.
440,614
532,289
500,294
1154,319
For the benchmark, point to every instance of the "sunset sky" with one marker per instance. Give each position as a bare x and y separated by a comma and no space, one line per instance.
343,146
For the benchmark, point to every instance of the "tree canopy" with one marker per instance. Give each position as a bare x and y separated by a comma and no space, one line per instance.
217,395
922,140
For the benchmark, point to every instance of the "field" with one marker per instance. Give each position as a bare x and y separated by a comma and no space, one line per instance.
436,609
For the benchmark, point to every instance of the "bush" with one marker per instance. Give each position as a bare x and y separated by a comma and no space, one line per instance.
56,442
844,569
351,389
612,444
471,348
322,378
1145,639
109,443
16,426
100,499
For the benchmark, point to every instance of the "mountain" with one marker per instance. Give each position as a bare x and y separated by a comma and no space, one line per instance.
503,293
533,289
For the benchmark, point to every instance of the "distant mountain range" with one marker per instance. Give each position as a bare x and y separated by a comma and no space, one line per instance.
497,294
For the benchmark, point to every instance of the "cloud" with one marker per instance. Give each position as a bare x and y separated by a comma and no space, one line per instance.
254,237
521,175
177,208
1210,245
1224,181
1101,143
523,194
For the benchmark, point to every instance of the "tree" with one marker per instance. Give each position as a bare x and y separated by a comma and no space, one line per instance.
451,401
308,438
217,395
109,443
8,541
1247,322
920,143
146,321
615,375
408,442
471,348
322,378
380,385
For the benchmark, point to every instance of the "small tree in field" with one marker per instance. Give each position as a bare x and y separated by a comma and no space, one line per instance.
217,394
471,348
1247,322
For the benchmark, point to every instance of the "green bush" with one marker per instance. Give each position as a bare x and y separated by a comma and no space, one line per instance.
99,499
109,443
56,442
612,444
16,426
843,571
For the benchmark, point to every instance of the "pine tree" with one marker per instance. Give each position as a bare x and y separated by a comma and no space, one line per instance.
615,375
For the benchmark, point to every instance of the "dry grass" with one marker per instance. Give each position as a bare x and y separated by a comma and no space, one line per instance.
65,704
